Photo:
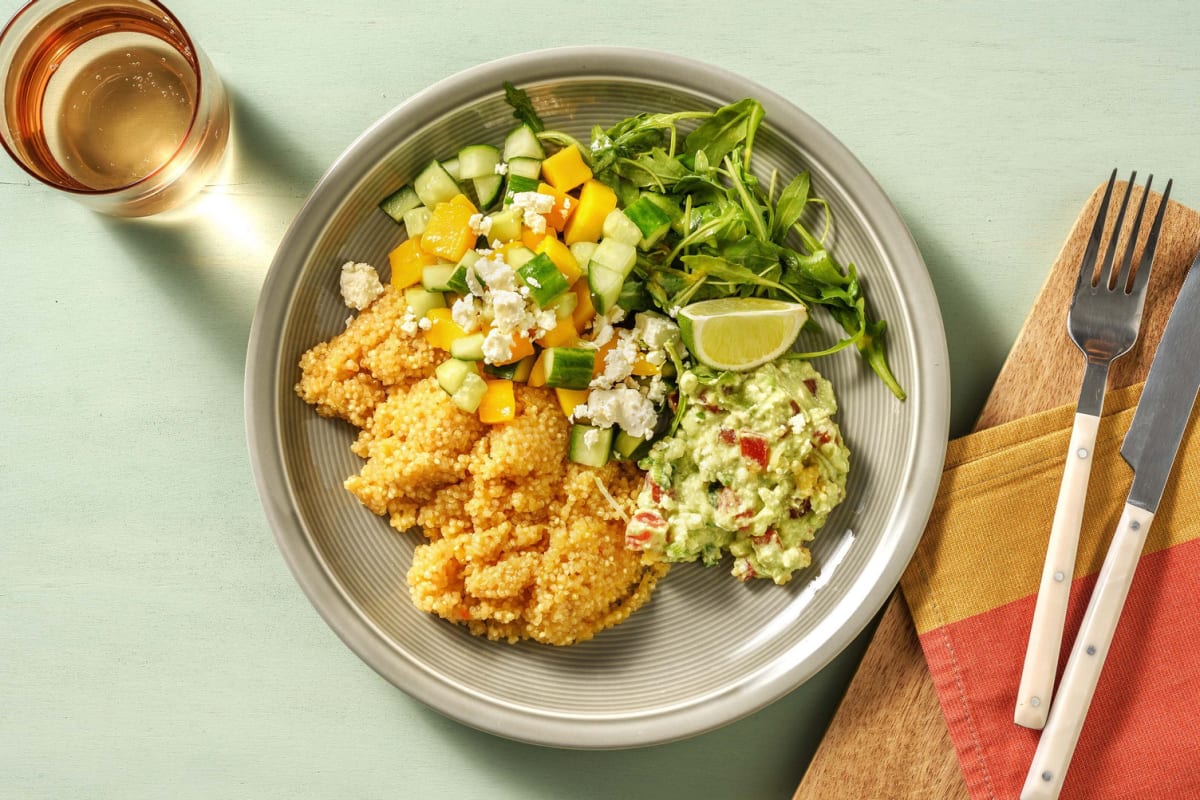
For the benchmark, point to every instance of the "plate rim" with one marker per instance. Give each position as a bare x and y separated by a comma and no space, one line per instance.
265,442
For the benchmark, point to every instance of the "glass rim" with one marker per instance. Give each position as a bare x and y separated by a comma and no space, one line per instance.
197,66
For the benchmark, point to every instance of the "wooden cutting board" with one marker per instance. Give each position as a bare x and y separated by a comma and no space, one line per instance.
888,740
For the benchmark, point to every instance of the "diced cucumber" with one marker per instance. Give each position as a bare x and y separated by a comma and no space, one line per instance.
470,394
620,227
435,185
398,202
415,220
517,184
568,367
564,305
477,160
436,277
615,255
589,445
451,373
605,285
634,297
583,253
517,257
629,447
487,189
522,142
457,282
525,167
516,371
544,280
421,301
652,222
506,225
665,204
468,348
452,167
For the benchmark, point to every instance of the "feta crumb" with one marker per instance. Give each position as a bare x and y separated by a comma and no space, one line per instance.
622,406
618,364
480,224
537,202
497,346
534,221
501,168
359,284
424,323
408,323
473,284
496,274
465,313
508,311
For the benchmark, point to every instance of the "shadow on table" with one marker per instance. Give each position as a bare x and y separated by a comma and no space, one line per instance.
764,755
209,257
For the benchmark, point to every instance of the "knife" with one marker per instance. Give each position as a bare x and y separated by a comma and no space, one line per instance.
1150,447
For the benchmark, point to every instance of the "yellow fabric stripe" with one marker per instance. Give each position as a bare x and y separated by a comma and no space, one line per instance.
986,538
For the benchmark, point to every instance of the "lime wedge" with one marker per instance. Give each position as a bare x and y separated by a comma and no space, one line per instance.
740,333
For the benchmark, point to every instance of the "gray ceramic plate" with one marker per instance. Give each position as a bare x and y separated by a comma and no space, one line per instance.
706,650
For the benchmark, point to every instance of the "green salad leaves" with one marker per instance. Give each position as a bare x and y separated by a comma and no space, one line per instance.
730,235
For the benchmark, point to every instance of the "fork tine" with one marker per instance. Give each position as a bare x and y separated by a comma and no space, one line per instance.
1107,275
1087,267
1142,275
1122,280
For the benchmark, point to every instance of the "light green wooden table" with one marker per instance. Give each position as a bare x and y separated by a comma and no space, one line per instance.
152,642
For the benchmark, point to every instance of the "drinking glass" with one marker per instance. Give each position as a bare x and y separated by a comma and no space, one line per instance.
112,102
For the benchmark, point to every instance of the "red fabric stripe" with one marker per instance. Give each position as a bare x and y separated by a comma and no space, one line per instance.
1142,735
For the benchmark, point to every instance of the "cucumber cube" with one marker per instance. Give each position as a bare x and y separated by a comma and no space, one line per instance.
544,280
415,220
451,373
652,222
568,367
615,255
517,184
470,394
590,445
506,225
620,227
421,301
468,348
436,277
398,202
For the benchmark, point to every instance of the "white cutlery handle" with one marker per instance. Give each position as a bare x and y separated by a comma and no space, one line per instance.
1082,672
1050,613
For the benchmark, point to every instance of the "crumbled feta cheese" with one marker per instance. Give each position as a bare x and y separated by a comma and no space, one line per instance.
655,331
618,364
534,221
509,312
465,313
533,201
474,286
360,285
480,224
497,346
547,320
621,406
658,390
409,323
496,274
501,168
424,323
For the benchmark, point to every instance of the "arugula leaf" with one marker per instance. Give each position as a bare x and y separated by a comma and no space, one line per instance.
730,126
523,107
790,206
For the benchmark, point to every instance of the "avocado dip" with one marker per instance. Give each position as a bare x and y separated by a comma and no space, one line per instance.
754,467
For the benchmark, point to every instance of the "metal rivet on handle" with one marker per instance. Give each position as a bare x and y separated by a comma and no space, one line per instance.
1091,651
1035,701
1058,576
1134,525
1082,453
1046,775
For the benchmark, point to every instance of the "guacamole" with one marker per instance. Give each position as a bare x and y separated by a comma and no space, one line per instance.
754,467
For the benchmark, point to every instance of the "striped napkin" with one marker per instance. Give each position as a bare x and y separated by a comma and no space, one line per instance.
973,583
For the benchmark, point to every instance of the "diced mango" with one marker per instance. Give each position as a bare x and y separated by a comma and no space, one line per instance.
568,399
448,233
499,403
601,355
584,311
444,330
407,260
644,368
565,169
534,240
596,200
537,375
561,255
522,347
562,335
564,206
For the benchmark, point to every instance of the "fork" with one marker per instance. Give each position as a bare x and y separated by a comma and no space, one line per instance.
1103,322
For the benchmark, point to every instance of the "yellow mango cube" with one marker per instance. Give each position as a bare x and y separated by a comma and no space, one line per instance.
568,399
408,260
566,169
596,200
448,233
444,330
499,403
561,335
562,257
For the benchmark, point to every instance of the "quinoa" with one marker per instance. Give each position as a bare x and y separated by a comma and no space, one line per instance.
520,543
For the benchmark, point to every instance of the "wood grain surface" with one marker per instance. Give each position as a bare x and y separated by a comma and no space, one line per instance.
888,738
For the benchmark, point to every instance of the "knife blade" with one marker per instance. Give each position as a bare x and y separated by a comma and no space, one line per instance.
1150,447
